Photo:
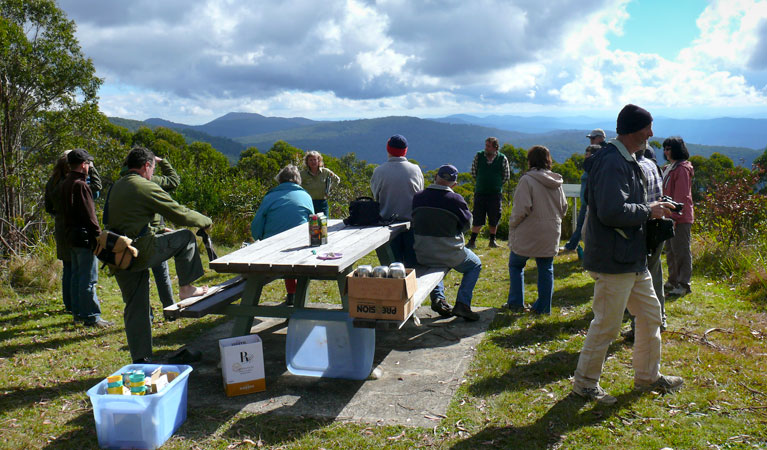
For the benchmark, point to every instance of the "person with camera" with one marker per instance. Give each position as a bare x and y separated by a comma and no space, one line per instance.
677,184
616,258
654,191
81,228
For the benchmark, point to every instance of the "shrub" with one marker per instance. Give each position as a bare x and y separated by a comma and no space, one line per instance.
31,273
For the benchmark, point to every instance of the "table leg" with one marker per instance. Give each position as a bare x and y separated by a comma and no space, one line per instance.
302,292
250,297
341,280
385,254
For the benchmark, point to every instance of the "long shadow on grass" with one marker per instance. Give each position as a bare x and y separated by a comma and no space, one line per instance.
542,331
82,436
530,375
21,397
181,336
37,345
566,415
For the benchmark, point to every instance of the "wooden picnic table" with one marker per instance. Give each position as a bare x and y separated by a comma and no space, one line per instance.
289,255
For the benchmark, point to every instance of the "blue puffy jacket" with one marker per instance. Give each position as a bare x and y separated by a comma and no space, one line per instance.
284,207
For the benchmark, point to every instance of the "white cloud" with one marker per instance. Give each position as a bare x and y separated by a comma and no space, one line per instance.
196,60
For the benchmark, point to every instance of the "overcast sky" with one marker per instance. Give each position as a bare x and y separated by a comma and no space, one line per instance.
191,61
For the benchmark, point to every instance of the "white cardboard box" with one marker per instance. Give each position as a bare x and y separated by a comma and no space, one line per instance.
242,364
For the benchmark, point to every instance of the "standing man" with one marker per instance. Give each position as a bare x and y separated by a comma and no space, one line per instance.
616,259
575,239
81,229
133,203
490,170
440,217
394,183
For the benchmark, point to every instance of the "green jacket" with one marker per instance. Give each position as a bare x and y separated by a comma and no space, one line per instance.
132,205
315,184
168,181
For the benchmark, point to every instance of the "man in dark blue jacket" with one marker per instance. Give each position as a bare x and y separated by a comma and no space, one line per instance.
616,257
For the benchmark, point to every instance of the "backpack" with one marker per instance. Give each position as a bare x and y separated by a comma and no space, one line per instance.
364,211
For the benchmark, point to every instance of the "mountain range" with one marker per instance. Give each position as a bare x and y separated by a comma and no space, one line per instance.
453,139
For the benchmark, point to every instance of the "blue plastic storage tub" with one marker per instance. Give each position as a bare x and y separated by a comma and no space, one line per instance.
323,343
140,421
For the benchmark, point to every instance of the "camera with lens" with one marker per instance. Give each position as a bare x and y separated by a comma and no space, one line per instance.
677,206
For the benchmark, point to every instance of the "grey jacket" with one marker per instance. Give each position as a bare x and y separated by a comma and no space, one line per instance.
394,183
617,212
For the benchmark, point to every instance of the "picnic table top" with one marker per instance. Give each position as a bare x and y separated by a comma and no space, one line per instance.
289,252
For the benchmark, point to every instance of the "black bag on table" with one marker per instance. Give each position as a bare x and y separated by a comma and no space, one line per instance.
364,211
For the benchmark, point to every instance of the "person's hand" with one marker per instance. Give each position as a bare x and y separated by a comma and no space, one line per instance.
157,159
167,230
660,209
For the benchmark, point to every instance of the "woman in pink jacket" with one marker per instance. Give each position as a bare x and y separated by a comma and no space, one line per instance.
677,184
534,229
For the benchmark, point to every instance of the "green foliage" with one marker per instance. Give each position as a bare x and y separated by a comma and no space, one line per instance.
708,171
47,93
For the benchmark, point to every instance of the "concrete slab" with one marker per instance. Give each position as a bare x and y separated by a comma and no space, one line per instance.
420,369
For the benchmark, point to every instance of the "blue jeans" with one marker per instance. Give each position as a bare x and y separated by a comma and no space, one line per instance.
321,206
517,282
576,237
85,302
470,268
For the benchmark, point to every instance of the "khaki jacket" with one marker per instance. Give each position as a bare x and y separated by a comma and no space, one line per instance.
536,215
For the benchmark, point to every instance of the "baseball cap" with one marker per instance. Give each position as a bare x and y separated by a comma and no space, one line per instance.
448,172
596,132
78,155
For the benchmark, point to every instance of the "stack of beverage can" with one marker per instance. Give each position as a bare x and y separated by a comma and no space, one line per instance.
364,271
115,384
137,386
397,270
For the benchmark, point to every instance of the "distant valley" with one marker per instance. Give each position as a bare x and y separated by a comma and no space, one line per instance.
454,139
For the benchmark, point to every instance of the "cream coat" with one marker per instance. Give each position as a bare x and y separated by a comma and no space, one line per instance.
536,215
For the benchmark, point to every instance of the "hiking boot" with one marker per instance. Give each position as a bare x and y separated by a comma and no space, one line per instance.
668,286
290,299
472,244
441,307
98,323
665,384
493,244
679,291
628,336
464,310
596,393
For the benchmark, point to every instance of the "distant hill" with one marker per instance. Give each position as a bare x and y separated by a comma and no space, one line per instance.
432,142
724,131
235,124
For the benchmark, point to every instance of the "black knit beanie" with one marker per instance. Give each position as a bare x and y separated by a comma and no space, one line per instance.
632,118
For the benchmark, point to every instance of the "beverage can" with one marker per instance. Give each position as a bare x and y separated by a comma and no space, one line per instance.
381,272
364,271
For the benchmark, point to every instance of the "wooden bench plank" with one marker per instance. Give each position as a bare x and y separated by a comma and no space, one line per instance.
228,292
427,279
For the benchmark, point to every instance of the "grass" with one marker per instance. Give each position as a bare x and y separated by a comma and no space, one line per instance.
516,393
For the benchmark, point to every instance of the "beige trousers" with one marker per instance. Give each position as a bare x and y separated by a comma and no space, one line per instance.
613,293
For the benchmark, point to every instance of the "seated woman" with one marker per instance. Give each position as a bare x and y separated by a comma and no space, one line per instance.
534,229
284,207
317,180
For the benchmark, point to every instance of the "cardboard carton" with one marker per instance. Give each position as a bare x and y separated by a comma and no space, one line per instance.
381,298
242,364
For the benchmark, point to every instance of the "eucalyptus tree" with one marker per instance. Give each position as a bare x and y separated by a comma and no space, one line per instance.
48,96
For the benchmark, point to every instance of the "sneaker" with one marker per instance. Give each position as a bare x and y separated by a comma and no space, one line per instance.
463,310
668,286
665,384
471,245
493,244
679,292
596,393
441,307
663,325
98,322
566,250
